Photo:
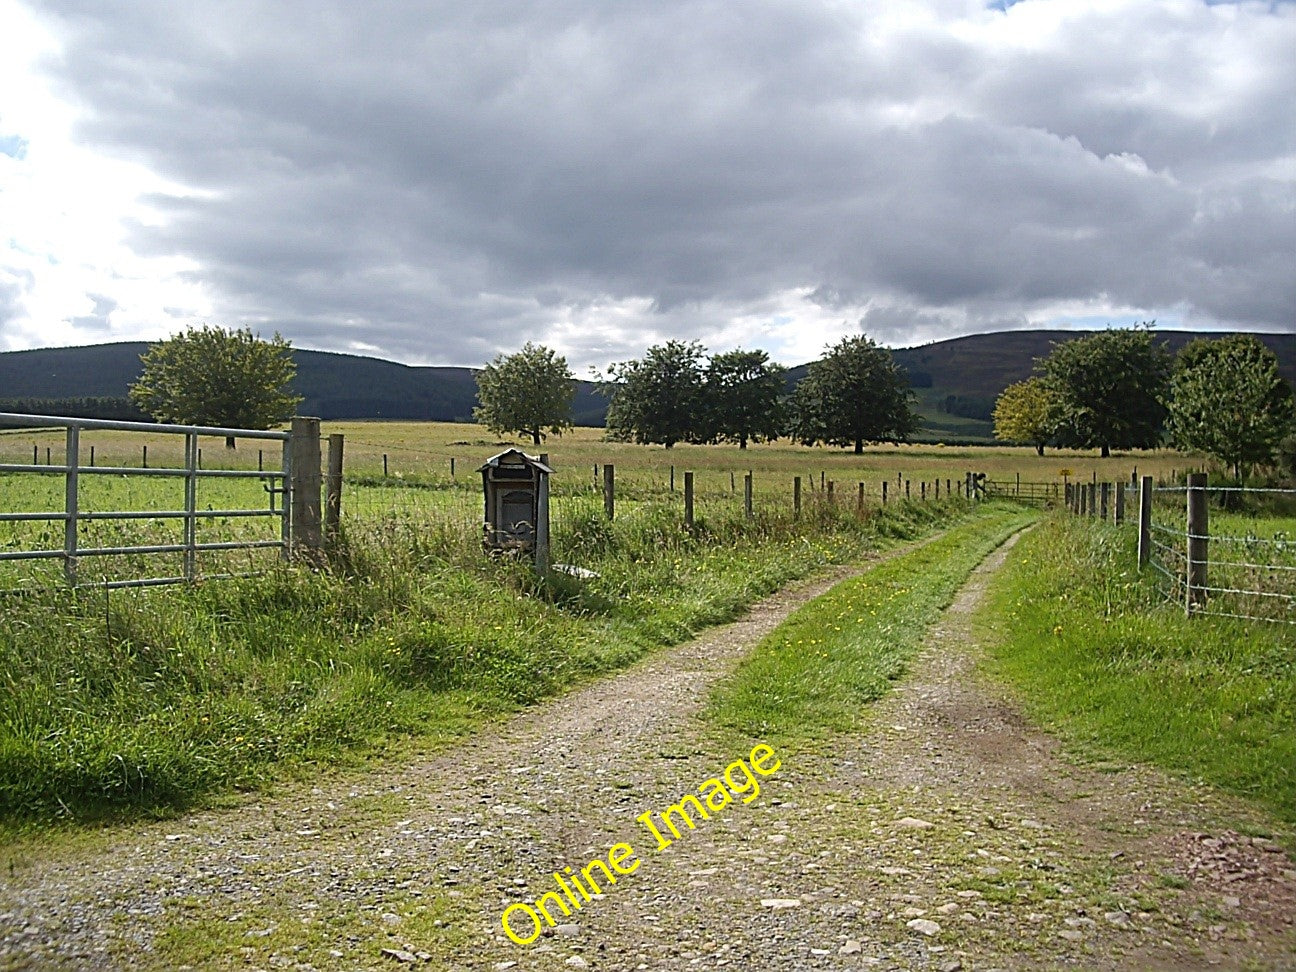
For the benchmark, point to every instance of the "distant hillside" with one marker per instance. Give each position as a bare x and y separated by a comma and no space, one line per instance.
956,381
985,364
334,386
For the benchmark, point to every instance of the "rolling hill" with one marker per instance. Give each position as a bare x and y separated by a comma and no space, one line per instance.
956,381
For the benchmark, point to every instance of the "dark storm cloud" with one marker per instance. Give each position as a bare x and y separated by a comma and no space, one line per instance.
440,180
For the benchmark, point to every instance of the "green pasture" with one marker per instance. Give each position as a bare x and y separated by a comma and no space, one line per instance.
419,481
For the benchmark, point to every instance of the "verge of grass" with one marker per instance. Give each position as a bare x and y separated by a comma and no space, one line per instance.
814,674
145,702
1096,653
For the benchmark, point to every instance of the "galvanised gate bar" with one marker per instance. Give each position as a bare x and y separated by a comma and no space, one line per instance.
277,484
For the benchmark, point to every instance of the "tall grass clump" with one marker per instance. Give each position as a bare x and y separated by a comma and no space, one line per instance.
150,700
1098,653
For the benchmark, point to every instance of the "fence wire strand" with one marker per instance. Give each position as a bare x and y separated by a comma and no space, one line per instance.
1253,584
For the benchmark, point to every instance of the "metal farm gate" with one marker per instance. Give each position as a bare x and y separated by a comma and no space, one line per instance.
276,483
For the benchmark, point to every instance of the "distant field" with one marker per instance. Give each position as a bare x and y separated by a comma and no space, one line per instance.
425,449
419,477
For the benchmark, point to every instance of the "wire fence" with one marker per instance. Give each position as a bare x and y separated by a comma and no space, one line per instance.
108,496
1225,551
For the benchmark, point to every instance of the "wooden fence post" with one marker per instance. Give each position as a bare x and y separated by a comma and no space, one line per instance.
1198,542
885,484
937,487
333,489
452,471
796,496
1120,503
307,538
672,478
906,489
688,500
1145,521
967,485
747,494
384,465
609,490
923,490
1104,501
831,484
859,502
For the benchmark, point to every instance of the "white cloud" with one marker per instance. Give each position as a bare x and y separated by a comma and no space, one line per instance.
65,210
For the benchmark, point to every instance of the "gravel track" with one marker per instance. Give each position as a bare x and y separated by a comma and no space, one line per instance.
950,835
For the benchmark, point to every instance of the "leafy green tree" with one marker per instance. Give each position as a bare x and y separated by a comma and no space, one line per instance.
855,394
213,376
1228,400
527,393
1107,390
744,391
1023,414
660,397
1287,455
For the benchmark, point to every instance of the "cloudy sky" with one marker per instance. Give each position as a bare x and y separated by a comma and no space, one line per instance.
435,182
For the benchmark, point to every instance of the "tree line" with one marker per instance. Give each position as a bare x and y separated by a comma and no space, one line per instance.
1117,389
676,392
1121,390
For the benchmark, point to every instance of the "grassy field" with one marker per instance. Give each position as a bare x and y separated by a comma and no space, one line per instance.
422,451
1098,653
418,465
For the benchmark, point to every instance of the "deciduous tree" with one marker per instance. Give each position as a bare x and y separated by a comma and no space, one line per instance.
855,394
1022,414
1228,400
744,392
214,376
527,393
660,397
1108,390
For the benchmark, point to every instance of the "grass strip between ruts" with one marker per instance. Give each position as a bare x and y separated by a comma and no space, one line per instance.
816,672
